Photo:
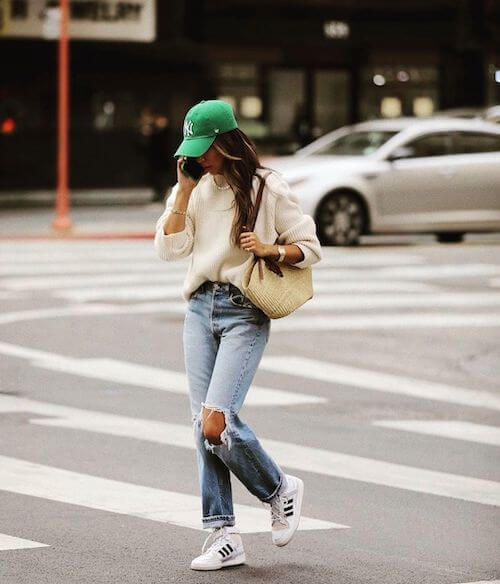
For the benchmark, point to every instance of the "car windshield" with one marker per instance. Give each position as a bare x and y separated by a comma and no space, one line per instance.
356,143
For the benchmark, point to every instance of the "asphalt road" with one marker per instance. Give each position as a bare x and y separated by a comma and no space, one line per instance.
382,394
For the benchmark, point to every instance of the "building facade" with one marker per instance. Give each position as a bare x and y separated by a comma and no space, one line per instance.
292,69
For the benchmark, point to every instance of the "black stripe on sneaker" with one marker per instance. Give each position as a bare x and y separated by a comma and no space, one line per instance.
288,508
230,548
288,514
221,552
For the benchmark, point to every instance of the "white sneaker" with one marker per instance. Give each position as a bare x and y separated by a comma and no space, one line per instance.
285,511
226,549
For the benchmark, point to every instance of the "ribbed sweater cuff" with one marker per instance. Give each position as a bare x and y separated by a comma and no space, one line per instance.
171,246
309,257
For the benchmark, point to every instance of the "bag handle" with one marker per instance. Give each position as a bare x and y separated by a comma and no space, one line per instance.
256,207
270,263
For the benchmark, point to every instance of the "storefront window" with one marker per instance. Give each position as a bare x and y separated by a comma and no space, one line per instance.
390,91
331,100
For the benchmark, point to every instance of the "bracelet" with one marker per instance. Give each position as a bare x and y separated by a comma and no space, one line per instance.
178,212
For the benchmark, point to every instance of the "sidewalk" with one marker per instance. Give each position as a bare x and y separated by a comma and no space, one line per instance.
116,221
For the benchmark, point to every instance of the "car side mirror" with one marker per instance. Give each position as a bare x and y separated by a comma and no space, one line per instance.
401,152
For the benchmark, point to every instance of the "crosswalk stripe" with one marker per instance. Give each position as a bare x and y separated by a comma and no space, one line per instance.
90,281
8,542
91,309
416,272
364,301
145,376
56,484
120,293
454,429
325,301
85,267
377,381
68,254
425,272
296,322
349,257
414,320
296,456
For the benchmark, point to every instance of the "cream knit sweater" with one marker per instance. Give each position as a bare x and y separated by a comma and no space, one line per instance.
209,219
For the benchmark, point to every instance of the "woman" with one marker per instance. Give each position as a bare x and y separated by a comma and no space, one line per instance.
224,332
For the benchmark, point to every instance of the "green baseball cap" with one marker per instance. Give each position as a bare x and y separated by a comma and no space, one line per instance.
202,124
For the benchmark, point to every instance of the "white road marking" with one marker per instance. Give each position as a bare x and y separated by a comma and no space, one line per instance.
8,542
91,309
367,302
83,267
160,279
54,282
364,257
323,302
56,484
132,293
9,295
425,272
378,381
454,429
135,374
340,259
302,322
66,255
296,456
416,272
296,322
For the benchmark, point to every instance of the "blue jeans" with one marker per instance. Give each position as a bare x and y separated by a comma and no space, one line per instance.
224,338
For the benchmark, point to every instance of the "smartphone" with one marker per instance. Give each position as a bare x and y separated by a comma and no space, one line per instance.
192,168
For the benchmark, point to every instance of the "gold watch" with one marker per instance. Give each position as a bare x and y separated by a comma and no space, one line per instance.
282,252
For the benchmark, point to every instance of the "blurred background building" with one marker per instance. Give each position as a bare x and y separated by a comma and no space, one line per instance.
293,70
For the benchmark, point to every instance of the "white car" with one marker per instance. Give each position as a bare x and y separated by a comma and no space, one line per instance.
405,175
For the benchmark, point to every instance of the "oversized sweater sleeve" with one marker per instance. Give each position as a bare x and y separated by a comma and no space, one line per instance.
175,245
293,226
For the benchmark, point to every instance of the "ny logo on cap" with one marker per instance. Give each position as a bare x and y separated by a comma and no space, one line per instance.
188,128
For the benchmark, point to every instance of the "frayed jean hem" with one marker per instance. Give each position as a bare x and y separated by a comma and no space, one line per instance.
275,492
218,521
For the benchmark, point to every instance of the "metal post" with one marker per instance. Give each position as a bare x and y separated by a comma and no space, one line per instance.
62,221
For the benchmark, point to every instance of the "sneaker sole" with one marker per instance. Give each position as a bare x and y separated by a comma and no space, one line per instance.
300,494
238,560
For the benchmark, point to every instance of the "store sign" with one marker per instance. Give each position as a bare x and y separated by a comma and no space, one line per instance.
107,20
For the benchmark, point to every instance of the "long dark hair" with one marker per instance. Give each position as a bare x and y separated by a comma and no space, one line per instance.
240,163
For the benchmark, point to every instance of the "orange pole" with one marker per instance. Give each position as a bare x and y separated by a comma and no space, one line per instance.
62,221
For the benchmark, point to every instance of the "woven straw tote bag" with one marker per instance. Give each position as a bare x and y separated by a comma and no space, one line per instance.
277,289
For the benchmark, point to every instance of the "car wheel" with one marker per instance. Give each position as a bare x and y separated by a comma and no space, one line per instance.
341,219
450,237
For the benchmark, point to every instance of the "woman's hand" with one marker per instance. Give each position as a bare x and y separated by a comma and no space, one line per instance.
186,183
250,242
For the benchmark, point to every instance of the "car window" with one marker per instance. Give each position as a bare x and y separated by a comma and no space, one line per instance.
471,142
431,145
356,143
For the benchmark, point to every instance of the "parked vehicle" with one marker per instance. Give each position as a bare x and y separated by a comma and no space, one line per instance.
405,175
490,114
